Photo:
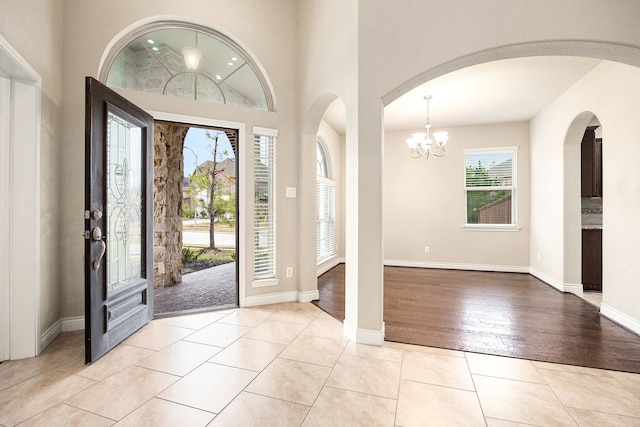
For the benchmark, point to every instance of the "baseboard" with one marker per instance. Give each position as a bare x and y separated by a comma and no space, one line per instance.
457,266
254,301
326,266
49,335
308,296
364,336
66,324
72,323
620,318
562,287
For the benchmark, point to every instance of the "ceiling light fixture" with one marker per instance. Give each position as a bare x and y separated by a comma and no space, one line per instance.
421,145
192,56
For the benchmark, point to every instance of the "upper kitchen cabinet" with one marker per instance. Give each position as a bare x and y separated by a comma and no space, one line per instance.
591,163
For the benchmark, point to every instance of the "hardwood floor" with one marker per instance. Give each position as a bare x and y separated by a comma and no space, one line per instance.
506,314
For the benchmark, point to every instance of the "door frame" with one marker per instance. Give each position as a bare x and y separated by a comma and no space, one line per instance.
241,200
20,197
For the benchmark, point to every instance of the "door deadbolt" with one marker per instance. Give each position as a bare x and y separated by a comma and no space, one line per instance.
97,214
96,233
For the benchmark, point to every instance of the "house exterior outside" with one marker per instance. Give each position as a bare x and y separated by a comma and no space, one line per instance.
226,187
313,52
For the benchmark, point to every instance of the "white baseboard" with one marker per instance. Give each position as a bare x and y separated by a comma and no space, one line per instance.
66,324
254,301
457,266
72,323
308,296
326,266
562,287
364,336
620,318
49,335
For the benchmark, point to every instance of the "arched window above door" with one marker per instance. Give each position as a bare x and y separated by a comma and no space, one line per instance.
188,61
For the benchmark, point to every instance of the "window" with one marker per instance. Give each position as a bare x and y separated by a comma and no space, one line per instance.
264,256
187,61
325,207
490,188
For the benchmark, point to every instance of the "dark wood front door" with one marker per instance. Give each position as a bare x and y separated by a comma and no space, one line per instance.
118,219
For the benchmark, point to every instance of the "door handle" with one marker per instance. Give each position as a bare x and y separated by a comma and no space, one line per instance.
96,234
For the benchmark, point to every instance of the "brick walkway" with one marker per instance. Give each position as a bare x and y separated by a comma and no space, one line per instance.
210,288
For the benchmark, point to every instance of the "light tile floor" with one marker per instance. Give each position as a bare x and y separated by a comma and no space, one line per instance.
290,365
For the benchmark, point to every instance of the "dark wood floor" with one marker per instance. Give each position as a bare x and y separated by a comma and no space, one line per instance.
506,314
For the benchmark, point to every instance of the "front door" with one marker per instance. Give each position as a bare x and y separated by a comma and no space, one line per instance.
118,219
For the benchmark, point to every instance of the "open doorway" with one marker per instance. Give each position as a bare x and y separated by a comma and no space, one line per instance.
591,212
195,213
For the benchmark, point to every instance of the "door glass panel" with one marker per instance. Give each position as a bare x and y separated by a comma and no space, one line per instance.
124,203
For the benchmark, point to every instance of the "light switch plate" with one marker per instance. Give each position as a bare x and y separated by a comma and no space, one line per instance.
291,191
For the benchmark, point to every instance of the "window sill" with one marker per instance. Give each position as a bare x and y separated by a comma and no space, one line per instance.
262,283
477,227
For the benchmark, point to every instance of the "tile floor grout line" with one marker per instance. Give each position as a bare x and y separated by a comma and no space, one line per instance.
475,388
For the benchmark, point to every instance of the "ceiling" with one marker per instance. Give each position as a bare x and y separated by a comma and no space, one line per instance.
495,92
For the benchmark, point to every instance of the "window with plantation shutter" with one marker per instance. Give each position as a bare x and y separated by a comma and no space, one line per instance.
264,254
490,188
325,207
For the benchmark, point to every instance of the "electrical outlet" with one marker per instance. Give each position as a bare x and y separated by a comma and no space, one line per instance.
289,271
427,250
539,256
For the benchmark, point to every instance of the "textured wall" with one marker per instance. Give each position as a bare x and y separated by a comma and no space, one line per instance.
167,203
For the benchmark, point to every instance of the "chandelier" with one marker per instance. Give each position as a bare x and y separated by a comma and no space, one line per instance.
192,55
421,145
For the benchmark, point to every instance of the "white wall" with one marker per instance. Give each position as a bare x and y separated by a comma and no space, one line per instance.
424,204
608,91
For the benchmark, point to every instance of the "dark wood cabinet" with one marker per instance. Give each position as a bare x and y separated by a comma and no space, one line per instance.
592,260
591,163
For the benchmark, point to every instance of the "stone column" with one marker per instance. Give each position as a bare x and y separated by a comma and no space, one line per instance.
168,170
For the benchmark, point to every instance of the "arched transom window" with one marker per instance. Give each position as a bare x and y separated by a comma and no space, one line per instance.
188,61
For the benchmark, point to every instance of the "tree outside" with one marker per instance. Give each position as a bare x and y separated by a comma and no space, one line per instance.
211,187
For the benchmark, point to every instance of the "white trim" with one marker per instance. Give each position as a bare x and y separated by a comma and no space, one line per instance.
5,191
50,334
20,294
69,324
257,300
263,283
457,266
308,296
574,288
488,227
242,188
513,149
364,336
559,285
620,318
257,130
328,265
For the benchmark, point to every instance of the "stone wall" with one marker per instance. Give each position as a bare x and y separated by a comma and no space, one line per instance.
167,203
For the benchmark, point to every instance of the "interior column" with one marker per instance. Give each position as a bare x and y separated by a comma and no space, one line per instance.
364,246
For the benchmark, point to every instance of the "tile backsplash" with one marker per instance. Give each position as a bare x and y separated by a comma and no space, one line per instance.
591,212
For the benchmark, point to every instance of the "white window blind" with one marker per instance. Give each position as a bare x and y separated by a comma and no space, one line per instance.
264,255
490,187
325,220
325,206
